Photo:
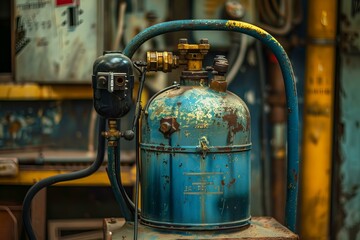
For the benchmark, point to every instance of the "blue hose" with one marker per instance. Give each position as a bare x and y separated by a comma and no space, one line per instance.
289,80
62,178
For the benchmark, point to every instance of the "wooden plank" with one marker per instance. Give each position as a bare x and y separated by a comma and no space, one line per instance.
38,214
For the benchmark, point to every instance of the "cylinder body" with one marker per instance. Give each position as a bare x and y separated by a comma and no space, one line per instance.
195,159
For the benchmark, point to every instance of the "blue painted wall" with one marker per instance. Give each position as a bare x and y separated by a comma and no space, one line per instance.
348,170
346,180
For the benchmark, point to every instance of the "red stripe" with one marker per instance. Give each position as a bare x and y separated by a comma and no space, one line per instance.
64,2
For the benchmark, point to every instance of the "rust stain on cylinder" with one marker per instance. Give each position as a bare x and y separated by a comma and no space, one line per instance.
232,120
231,182
223,182
220,86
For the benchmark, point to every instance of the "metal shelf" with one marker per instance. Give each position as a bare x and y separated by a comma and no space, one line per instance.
33,91
100,178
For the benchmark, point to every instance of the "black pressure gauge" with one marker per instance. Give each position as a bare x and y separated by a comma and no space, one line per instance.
113,83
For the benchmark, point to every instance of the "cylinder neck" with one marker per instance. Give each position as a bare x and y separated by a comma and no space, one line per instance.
194,78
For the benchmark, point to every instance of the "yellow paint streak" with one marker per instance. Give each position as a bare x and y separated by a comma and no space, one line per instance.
244,25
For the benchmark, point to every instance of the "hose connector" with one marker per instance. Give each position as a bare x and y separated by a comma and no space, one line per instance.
161,61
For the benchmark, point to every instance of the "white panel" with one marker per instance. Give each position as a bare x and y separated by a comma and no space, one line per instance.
52,48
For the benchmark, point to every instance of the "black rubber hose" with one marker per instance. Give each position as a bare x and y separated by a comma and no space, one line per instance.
61,178
119,192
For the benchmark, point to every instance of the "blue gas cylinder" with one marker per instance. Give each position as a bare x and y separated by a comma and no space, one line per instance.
195,158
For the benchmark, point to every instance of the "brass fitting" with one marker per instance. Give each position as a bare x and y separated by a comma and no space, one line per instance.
161,61
112,134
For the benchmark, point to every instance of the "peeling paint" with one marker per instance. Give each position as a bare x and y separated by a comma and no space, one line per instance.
194,112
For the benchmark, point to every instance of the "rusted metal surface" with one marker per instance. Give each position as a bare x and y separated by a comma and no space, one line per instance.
218,85
194,78
192,149
204,109
219,69
259,228
168,125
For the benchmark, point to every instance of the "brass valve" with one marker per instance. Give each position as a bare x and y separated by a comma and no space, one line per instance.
161,61
113,134
192,55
